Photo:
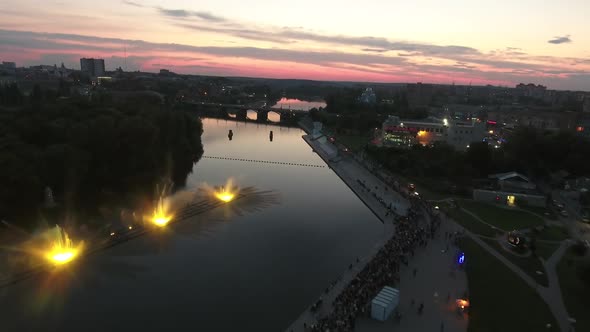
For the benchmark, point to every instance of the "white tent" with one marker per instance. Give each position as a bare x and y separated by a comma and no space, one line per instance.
384,303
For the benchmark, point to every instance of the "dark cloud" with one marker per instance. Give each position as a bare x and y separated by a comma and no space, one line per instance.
70,47
208,16
370,44
61,42
560,40
181,13
376,50
378,43
131,3
174,12
241,33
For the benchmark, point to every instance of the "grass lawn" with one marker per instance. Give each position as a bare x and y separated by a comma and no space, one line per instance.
545,250
353,142
506,219
553,233
540,211
469,222
529,265
550,233
576,294
500,300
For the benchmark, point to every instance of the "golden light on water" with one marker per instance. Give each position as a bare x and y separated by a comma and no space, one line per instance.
160,220
224,196
226,193
63,257
62,249
161,215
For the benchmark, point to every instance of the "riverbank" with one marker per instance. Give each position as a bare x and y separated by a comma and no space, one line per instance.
384,202
352,175
366,186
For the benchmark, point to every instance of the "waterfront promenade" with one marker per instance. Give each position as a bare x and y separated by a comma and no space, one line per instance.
345,169
436,260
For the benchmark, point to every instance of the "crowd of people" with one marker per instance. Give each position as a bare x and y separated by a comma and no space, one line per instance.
382,270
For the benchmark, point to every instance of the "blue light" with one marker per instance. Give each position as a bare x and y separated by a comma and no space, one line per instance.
461,258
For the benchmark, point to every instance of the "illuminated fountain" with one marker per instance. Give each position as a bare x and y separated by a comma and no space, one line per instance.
161,215
226,193
62,250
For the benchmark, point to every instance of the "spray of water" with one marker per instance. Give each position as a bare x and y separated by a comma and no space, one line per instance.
162,213
61,249
225,193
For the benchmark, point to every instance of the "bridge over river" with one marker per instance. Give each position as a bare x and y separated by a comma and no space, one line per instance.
240,112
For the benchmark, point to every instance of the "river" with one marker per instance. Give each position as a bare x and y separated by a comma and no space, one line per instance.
223,271
297,104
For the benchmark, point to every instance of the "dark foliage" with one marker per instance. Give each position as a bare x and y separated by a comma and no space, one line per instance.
91,154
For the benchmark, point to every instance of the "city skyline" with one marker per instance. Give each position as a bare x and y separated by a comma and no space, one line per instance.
498,43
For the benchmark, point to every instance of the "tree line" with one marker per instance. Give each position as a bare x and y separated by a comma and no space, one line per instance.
529,151
91,154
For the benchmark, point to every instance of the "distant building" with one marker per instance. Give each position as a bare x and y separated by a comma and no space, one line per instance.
8,65
93,67
539,118
368,96
406,133
531,90
7,68
511,189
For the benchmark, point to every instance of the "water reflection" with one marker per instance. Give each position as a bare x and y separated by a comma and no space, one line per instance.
297,104
274,117
252,115
269,247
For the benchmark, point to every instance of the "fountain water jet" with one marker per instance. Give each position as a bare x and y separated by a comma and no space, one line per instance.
161,215
227,192
62,249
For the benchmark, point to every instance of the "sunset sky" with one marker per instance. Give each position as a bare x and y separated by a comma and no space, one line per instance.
497,42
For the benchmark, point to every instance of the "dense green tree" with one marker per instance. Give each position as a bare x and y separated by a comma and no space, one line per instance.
92,153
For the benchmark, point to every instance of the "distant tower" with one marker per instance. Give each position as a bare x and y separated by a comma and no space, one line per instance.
93,67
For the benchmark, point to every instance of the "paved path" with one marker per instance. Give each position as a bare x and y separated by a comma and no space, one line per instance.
436,279
307,317
436,260
349,171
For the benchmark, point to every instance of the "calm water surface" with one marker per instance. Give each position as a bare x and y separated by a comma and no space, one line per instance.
296,104
221,271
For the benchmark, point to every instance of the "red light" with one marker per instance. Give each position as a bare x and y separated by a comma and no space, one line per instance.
579,129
